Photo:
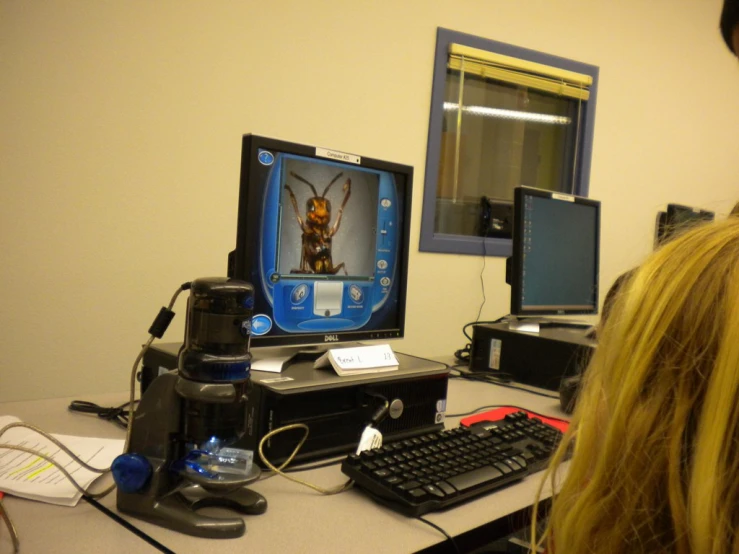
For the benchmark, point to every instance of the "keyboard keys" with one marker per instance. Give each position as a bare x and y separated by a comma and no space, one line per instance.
439,470
513,465
408,485
475,478
520,461
504,468
447,488
434,491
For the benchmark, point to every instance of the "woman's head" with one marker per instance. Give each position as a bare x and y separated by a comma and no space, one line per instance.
729,24
656,467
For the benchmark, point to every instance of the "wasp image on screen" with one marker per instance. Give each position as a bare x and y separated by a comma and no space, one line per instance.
317,230
327,240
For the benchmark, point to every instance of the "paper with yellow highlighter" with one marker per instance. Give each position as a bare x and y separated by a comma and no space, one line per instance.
28,476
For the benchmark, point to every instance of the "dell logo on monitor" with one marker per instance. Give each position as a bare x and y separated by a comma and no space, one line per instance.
331,338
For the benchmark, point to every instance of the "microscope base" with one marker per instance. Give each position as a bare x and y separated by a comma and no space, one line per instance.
244,501
175,511
171,499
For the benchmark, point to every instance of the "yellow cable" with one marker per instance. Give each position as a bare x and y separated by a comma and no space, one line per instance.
278,470
55,441
11,527
61,468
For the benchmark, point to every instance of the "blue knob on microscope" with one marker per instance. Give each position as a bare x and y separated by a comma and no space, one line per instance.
131,472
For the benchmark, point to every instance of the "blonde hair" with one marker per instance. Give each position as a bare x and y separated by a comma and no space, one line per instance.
656,462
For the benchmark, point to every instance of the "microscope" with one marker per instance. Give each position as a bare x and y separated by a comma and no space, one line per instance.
179,457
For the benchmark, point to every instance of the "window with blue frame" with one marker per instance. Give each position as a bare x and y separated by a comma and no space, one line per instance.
501,116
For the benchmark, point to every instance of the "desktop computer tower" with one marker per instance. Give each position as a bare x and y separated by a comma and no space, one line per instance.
538,359
336,409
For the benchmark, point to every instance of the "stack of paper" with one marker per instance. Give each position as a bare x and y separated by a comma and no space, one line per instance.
26,475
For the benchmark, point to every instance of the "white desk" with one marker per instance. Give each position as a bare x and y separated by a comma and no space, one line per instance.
297,519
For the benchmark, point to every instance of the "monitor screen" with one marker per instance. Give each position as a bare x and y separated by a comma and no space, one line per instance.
677,219
323,237
555,261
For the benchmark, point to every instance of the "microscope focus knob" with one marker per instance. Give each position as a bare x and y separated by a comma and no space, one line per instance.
131,472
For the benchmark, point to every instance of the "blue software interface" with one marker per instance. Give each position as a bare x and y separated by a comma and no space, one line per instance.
328,248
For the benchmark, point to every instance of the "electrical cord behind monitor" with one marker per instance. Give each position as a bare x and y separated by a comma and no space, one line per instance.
482,281
463,354
117,414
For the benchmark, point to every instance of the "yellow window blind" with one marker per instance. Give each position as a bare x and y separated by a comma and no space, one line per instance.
489,65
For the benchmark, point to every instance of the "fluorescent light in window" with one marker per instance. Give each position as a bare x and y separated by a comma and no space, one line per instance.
509,114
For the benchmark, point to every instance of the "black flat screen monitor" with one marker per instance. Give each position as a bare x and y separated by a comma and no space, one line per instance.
555,261
677,219
324,238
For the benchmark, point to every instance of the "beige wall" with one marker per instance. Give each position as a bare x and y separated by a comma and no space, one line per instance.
120,126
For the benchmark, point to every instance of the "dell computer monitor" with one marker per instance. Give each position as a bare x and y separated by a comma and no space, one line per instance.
678,218
323,236
555,261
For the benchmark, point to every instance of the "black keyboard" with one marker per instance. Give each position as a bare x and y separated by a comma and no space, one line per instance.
435,471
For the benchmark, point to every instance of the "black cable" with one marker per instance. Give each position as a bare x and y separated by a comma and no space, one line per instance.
499,377
447,535
473,323
455,373
117,414
496,406
524,389
463,354
476,410
491,380
482,281
380,413
135,530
